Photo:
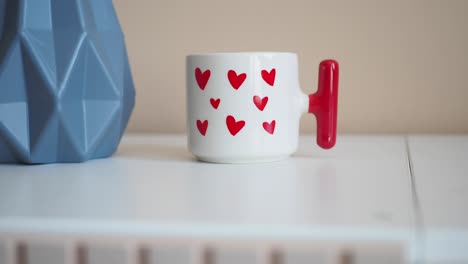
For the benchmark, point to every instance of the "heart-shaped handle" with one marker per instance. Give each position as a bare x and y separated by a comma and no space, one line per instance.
324,103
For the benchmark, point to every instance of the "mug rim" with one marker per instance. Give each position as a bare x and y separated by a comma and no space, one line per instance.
242,53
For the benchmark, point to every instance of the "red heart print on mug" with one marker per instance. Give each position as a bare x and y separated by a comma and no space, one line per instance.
202,77
234,126
269,77
260,102
215,102
235,79
269,127
202,126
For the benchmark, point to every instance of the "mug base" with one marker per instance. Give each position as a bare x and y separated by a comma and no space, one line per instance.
241,160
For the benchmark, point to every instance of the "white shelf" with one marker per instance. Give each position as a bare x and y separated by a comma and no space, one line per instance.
359,192
153,180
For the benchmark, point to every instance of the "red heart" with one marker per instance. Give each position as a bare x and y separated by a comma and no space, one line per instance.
202,77
202,126
269,127
260,102
236,80
215,103
234,126
269,77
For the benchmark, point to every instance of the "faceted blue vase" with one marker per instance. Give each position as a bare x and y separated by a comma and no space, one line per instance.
66,91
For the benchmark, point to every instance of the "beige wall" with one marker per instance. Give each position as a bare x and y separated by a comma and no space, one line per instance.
404,64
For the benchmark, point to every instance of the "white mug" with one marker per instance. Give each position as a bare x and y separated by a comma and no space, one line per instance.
246,107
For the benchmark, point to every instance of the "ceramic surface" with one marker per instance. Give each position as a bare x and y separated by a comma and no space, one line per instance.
66,90
246,107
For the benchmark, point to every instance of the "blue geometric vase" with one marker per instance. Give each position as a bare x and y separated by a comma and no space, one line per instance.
66,91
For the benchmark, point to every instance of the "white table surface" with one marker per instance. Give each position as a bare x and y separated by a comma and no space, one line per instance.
155,180
359,191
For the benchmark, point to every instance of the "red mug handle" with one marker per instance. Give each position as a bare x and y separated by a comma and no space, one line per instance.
324,103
